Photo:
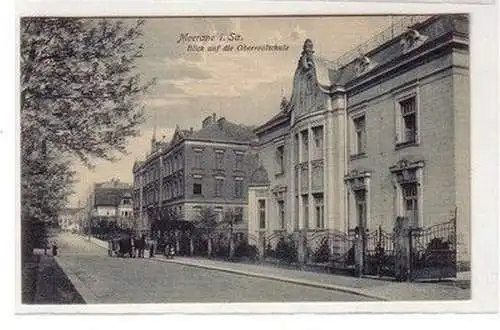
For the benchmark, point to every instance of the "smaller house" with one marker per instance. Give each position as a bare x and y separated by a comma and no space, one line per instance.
112,201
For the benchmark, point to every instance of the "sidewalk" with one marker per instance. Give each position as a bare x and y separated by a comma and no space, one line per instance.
53,286
367,287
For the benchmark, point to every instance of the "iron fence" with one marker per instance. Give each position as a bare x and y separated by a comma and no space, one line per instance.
433,251
379,257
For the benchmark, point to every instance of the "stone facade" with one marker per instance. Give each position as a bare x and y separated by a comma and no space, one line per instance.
383,135
208,167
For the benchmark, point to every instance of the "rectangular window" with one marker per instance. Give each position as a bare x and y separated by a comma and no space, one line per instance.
181,160
181,186
218,213
281,213
238,188
238,215
296,148
219,184
305,146
280,159
318,142
262,213
360,135
238,164
196,188
408,120
319,210
360,197
410,202
219,160
197,159
305,208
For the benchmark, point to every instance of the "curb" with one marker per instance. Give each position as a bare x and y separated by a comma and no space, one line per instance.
87,295
277,278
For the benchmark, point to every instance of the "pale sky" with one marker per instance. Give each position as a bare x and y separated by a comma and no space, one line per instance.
244,87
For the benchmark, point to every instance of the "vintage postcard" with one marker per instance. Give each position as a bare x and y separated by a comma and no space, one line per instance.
264,159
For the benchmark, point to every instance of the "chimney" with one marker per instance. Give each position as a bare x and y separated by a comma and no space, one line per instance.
191,130
208,121
214,116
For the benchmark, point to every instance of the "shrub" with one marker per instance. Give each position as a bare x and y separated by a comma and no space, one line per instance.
286,251
245,250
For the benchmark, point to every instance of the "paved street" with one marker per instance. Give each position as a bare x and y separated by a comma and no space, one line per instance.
103,279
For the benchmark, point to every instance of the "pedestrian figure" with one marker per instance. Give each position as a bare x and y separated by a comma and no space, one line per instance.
131,251
54,249
141,246
152,248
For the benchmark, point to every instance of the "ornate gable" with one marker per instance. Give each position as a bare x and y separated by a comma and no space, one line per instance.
308,93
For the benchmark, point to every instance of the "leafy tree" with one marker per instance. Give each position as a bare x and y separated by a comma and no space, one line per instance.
80,90
80,99
231,217
206,224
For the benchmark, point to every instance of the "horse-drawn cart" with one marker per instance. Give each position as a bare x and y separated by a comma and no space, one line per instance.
120,246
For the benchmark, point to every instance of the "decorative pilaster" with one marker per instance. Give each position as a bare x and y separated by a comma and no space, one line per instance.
310,200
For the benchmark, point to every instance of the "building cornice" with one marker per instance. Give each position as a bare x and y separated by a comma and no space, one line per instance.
407,61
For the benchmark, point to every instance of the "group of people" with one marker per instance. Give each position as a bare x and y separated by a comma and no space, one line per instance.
136,247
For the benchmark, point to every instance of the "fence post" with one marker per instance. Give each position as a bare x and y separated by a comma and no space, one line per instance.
402,244
358,252
262,243
301,247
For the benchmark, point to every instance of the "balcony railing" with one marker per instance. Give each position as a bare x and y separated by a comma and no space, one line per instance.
399,25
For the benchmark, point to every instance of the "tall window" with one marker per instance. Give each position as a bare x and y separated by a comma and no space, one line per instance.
319,212
262,213
180,159
360,197
281,213
238,215
197,159
410,202
305,208
219,159
238,187
280,159
181,185
305,146
238,163
219,184
408,120
318,142
218,213
296,148
360,135
175,188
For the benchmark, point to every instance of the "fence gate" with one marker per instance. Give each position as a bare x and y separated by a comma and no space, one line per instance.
433,252
379,257
317,249
342,250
